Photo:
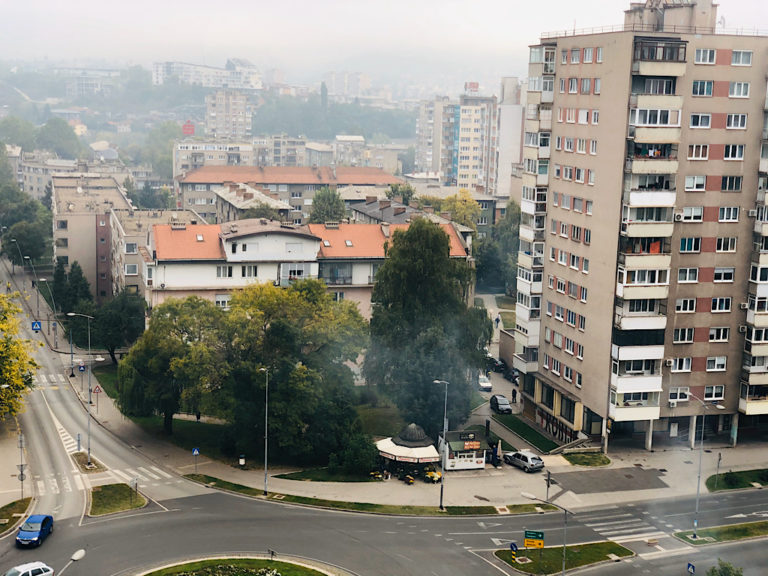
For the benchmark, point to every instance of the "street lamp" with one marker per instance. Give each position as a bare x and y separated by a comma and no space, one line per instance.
565,520
701,454
90,369
444,455
78,555
266,423
13,266
37,283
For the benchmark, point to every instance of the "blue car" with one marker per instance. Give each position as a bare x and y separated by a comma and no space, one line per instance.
35,529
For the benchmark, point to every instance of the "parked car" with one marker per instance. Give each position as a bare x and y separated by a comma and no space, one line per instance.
34,530
511,374
500,404
495,364
484,383
524,459
31,569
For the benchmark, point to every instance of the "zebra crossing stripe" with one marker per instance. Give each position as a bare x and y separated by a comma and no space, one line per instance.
161,472
135,474
42,379
54,485
40,487
62,379
148,473
122,475
79,482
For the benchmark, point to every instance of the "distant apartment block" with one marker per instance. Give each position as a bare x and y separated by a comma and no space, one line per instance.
238,74
510,131
227,115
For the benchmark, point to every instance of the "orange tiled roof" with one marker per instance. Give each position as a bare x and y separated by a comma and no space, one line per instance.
345,175
193,242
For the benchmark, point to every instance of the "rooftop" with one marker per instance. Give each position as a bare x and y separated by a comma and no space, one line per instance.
243,196
188,242
141,221
84,192
341,175
256,226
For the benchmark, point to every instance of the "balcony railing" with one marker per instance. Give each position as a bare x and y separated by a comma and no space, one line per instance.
337,280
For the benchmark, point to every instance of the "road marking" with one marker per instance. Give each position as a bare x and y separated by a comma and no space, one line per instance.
65,483
626,531
161,472
54,485
62,379
40,487
86,482
123,475
665,553
42,379
52,378
135,474
636,537
79,482
148,473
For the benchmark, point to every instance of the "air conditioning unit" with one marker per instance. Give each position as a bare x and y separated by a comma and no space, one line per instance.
669,362
752,213
678,216
162,286
744,305
673,403
742,329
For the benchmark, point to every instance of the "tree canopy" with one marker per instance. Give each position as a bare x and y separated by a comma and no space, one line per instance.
16,362
724,568
327,206
422,329
119,322
463,208
404,191
58,136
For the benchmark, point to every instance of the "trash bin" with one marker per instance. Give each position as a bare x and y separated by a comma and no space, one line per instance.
241,461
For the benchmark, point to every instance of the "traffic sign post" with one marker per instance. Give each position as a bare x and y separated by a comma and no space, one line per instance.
195,453
97,391
513,550
37,326
691,568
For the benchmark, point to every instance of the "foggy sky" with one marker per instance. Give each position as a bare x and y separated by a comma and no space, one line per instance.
306,38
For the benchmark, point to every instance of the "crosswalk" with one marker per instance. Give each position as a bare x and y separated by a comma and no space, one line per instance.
42,380
621,526
146,476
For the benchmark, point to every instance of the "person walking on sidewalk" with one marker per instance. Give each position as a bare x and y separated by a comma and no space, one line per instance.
497,320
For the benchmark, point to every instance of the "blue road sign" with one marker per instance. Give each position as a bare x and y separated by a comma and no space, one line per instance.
195,452
691,568
37,326
81,368
513,546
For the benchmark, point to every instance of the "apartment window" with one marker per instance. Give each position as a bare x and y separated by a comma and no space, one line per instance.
223,271
734,152
687,275
131,248
557,340
586,85
570,318
587,236
599,54
555,367
736,121
685,305
559,313
568,375
583,294
597,85
714,392
731,183
702,87
564,57
679,393
570,115
689,245
582,323
131,269
695,183
588,209
738,90
222,300
595,117
579,351
564,229
698,152
249,271
722,304
593,147
568,144
578,206
61,224
681,364
574,262
719,334
693,213
726,244
741,58
724,274
578,175
562,85
581,145
682,336
575,53
562,257
701,120
583,116
588,55
573,85
716,363
728,214
565,201
704,56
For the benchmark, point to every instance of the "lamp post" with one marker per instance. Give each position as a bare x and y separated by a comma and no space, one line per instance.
701,455
444,451
266,423
90,369
13,266
565,520
78,555
37,284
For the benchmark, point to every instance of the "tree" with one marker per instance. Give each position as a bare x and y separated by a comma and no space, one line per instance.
16,362
58,136
77,290
404,191
16,131
724,568
421,327
119,322
489,265
506,236
327,206
28,238
262,210
158,148
463,208
60,286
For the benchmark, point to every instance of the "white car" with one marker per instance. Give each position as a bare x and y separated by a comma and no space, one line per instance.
31,569
484,383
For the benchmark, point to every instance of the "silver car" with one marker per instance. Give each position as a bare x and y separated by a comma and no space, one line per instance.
524,459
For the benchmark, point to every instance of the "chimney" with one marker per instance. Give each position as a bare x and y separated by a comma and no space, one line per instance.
398,199
384,204
247,195
370,199
399,210
429,209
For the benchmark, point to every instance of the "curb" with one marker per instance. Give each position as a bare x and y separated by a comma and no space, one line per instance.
322,567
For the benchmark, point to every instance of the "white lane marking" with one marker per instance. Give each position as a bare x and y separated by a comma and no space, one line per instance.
148,473
79,482
42,379
86,482
135,474
161,472
122,475
54,485
62,379
636,537
40,488
66,484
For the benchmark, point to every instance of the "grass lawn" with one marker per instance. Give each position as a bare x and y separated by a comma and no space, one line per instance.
725,533
504,302
478,302
235,567
734,480
476,399
112,498
507,319
7,518
587,459
526,432
107,377
480,429
188,434
551,560
81,459
381,420
324,475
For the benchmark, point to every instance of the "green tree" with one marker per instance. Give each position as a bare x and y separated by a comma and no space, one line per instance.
158,148
149,198
60,286
24,239
404,191
16,362
78,289
119,322
262,210
16,131
58,136
327,206
506,234
724,568
489,265
463,208
421,327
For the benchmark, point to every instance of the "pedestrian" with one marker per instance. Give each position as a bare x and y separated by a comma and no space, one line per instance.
198,416
514,396
497,320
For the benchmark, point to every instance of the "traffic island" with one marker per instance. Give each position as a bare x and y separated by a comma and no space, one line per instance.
245,567
728,533
81,459
113,498
10,514
550,560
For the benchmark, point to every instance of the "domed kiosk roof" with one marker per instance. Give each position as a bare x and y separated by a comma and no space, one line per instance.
412,436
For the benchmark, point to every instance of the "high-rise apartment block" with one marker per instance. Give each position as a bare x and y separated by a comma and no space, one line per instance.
642,303
228,114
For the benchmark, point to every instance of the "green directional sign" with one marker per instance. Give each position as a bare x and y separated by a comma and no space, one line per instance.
534,535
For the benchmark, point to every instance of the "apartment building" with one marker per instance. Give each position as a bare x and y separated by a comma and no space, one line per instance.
237,74
643,265
228,114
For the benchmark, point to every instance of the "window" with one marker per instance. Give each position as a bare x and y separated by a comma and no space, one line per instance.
223,271
570,318
586,85
574,263
580,351
589,205
583,294
249,271
578,175
222,300
716,363
597,85
741,58
564,229
131,248
555,367
562,85
587,236
564,57
568,375
728,214
587,55
582,323
688,245
714,392
722,304
583,116
681,365
698,152
687,275
569,346
599,54
693,214
682,336
701,120
131,269
738,90
719,334
702,87
704,56
575,53
679,393
685,305
726,244
578,206
695,183
595,116
593,147
568,144
736,121
724,274
581,145
573,85
734,152
731,184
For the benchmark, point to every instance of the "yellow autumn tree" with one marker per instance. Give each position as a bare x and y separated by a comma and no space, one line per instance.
463,208
16,362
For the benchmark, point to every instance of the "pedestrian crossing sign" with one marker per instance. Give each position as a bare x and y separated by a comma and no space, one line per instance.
37,326
195,452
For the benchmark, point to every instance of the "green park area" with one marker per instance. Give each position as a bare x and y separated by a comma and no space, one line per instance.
550,560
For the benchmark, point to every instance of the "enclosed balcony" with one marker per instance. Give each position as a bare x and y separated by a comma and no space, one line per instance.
630,376
647,222
659,57
526,361
626,407
756,341
642,284
753,399
645,314
644,252
527,333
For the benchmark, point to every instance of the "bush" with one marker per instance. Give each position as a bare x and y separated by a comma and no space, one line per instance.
763,476
358,456
368,395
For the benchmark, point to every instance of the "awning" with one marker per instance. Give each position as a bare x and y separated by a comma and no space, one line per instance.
392,451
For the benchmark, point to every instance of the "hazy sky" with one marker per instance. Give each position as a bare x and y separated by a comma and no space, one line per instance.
484,38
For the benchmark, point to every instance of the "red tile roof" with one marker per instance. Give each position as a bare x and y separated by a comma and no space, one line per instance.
177,243
345,175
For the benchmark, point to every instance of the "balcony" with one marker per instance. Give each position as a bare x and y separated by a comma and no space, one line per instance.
627,383
635,229
527,335
638,198
656,101
337,280
527,287
630,411
759,348
542,179
640,291
544,152
753,399
655,352
763,165
528,207
524,314
756,319
547,96
645,260
761,228
526,365
651,134
651,165
649,322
